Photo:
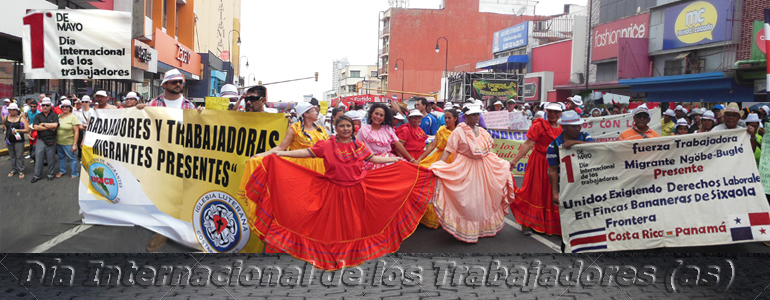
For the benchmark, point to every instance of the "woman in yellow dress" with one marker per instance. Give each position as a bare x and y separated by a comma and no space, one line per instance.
300,135
439,143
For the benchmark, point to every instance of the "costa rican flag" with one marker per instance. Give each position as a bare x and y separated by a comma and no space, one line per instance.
751,226
590,239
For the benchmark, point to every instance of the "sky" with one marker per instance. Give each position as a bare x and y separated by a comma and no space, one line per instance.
286,40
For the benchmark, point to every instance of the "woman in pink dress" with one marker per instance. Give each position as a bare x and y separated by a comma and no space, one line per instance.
476,188
379,135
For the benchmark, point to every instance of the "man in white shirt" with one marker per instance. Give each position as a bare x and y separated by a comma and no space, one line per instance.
173,83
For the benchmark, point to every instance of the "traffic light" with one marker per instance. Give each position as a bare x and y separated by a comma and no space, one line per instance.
316,76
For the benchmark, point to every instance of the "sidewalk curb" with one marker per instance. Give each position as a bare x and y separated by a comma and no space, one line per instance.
4,152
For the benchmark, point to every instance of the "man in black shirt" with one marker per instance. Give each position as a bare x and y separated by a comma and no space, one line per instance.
45,124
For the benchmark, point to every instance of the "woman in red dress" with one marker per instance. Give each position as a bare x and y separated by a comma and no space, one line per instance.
532,207
411,135
344,217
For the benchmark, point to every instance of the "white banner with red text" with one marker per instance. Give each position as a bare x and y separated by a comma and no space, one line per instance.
609,128
693,190
77,44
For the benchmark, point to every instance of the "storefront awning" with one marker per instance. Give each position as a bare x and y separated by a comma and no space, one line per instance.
504,63
703,87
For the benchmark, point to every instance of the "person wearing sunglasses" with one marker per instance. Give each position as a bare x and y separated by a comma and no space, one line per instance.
640,130
45,124
255,99
66,135
131,100
173,84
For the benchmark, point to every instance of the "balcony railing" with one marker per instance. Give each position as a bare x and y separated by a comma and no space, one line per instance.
384,50
385,30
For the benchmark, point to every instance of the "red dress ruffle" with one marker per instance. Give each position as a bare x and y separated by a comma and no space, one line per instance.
332,225
532,206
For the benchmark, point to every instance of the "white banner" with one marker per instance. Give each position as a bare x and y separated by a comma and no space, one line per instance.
77,44
693,190
609,128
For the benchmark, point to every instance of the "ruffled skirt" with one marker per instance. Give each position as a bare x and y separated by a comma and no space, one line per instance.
473,195
533,207
302,213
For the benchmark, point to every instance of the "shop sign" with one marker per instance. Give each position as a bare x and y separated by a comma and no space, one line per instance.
532,89
77,44
606,36
145,57
511,37
494,90
696,23
758,45
176,54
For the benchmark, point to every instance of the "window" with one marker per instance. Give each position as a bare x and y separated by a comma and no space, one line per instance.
148,8
351,88
374,73
176,22
355,74
673,67
695,65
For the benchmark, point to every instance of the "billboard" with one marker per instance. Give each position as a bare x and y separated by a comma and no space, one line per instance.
494,90
511,37
606,36
532,89
697,23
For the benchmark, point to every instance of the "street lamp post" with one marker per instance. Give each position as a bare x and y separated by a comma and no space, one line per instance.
247,65
446,62
229,38
250,76
403,65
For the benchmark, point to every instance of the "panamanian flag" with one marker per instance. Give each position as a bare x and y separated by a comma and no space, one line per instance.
751,226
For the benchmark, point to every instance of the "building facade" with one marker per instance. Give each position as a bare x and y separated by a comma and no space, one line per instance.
412,35
352,76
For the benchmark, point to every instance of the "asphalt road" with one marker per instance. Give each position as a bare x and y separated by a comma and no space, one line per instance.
35,214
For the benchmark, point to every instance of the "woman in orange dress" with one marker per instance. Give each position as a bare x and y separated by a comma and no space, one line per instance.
430,218
345,217
476,188
300,135
533,208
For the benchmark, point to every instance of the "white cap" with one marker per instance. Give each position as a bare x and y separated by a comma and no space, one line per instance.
448,105
354,115
498,103
640,109
473,110
13,106
554,106
229,91
132,95
303,107
399,116
576,99
456,105
570,117
670,112
45,100
65,103
766,109
682,122
526,105
292,111
541,114
62,97
709,115
101,93
415,113
85,98
679,107
171,75
6,100
753,118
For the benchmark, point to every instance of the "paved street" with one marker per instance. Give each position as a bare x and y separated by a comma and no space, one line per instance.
38,214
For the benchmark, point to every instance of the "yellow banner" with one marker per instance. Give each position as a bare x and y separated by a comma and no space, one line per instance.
324,107
175,172
217,103
507,144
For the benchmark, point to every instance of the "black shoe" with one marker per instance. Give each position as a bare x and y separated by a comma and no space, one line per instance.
35,179
50,178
